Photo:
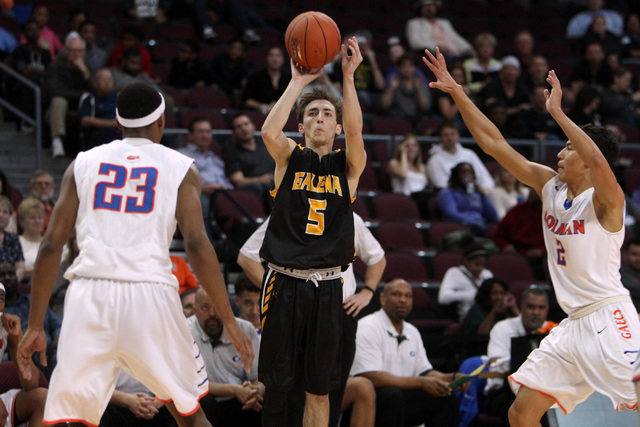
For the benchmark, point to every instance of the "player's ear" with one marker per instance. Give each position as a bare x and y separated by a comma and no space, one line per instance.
338,129
300,127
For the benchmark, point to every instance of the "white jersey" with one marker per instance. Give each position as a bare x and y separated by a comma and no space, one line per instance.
127,191
584,258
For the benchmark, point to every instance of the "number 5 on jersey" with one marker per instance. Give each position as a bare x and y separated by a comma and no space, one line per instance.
316,217
107,191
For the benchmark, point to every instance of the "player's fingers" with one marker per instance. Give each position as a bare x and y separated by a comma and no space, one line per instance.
43,358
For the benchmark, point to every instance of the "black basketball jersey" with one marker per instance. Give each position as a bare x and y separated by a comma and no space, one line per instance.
311,224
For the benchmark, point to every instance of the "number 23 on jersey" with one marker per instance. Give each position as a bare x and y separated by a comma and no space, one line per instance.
110,192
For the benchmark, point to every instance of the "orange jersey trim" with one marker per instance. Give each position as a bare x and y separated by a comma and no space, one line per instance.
70,420
186,414
541,392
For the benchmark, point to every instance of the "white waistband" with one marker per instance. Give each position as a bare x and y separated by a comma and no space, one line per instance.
588,309
313,275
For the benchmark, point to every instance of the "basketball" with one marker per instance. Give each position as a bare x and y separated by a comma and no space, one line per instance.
312,40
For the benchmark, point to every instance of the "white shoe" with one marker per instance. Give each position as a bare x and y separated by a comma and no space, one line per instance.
57,148
251,37
208,34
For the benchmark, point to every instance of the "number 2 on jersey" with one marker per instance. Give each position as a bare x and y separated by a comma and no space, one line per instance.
316,217
561,259
142,203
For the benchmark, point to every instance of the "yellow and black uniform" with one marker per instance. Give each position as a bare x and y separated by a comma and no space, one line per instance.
309,241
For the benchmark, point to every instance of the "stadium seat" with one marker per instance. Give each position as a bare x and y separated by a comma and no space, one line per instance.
407,266
442,261
234,207
439,229
9,377
391,126
368,179
631,179
400,234
509,266
208,97
390,205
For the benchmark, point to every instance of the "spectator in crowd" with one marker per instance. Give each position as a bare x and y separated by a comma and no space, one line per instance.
188,301
14,196
42,187
631,38
196,10
507,193
248,163
23,406
536,73
493,303
592,70
235,396
391,354
406,95
48,39
7,43
460,283
396,50
534,307
95,56
579,24
131,69
229,70
443,103
619,103
75,18
31,218
369,79
598,32
132,37
448,153
462,202
32,61
426,31
247,299
237,14
586,106
630,270
524,47
520,231
211,167
133,405
67,79
506,89
483,67
266,85
497,113
148,12
536,122
407,170
182,271
97,112
10,249
187,70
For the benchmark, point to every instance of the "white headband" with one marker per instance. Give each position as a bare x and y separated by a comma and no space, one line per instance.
142,121
2,288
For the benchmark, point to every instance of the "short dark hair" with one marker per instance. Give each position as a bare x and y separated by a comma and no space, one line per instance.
134,30
244,284
533,290
196,119
137,100
315,94
605,140
85,23
448,124
187,292
131,52
628,243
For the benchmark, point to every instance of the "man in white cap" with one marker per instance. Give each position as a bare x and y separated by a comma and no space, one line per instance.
122,306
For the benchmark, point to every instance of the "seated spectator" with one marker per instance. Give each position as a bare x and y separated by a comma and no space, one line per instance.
97,111
505,88
396,50
536,121
460,283
497,113
188,301
631,38
75,17
524,48
14,196
19,304
235,13
132,405
10,249
630,270
493,303
7,43
391,354
235,396
580,22
196,11
507,193
31,219
462,202
211,167
96,57
536,73
483,67
31,61
407,170
406,96
426,31
187,70
229,70
598,32
585,107
443,104
131,37
520,231
181,270
67,79
25,406
448,153
48,39
42,187
248,163
534,307
619,102
592,70
266,85
247,298
146,12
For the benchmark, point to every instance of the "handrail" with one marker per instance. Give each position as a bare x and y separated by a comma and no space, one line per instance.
35,122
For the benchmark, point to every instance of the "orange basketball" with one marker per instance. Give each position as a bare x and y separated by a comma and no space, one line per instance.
312,40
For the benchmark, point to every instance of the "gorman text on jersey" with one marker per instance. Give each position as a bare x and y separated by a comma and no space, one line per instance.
563,228
326,184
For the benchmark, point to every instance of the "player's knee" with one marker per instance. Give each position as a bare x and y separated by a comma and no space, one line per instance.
317,398
516,415
364,390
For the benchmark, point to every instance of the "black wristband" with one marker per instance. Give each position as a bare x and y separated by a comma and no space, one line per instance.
369,288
